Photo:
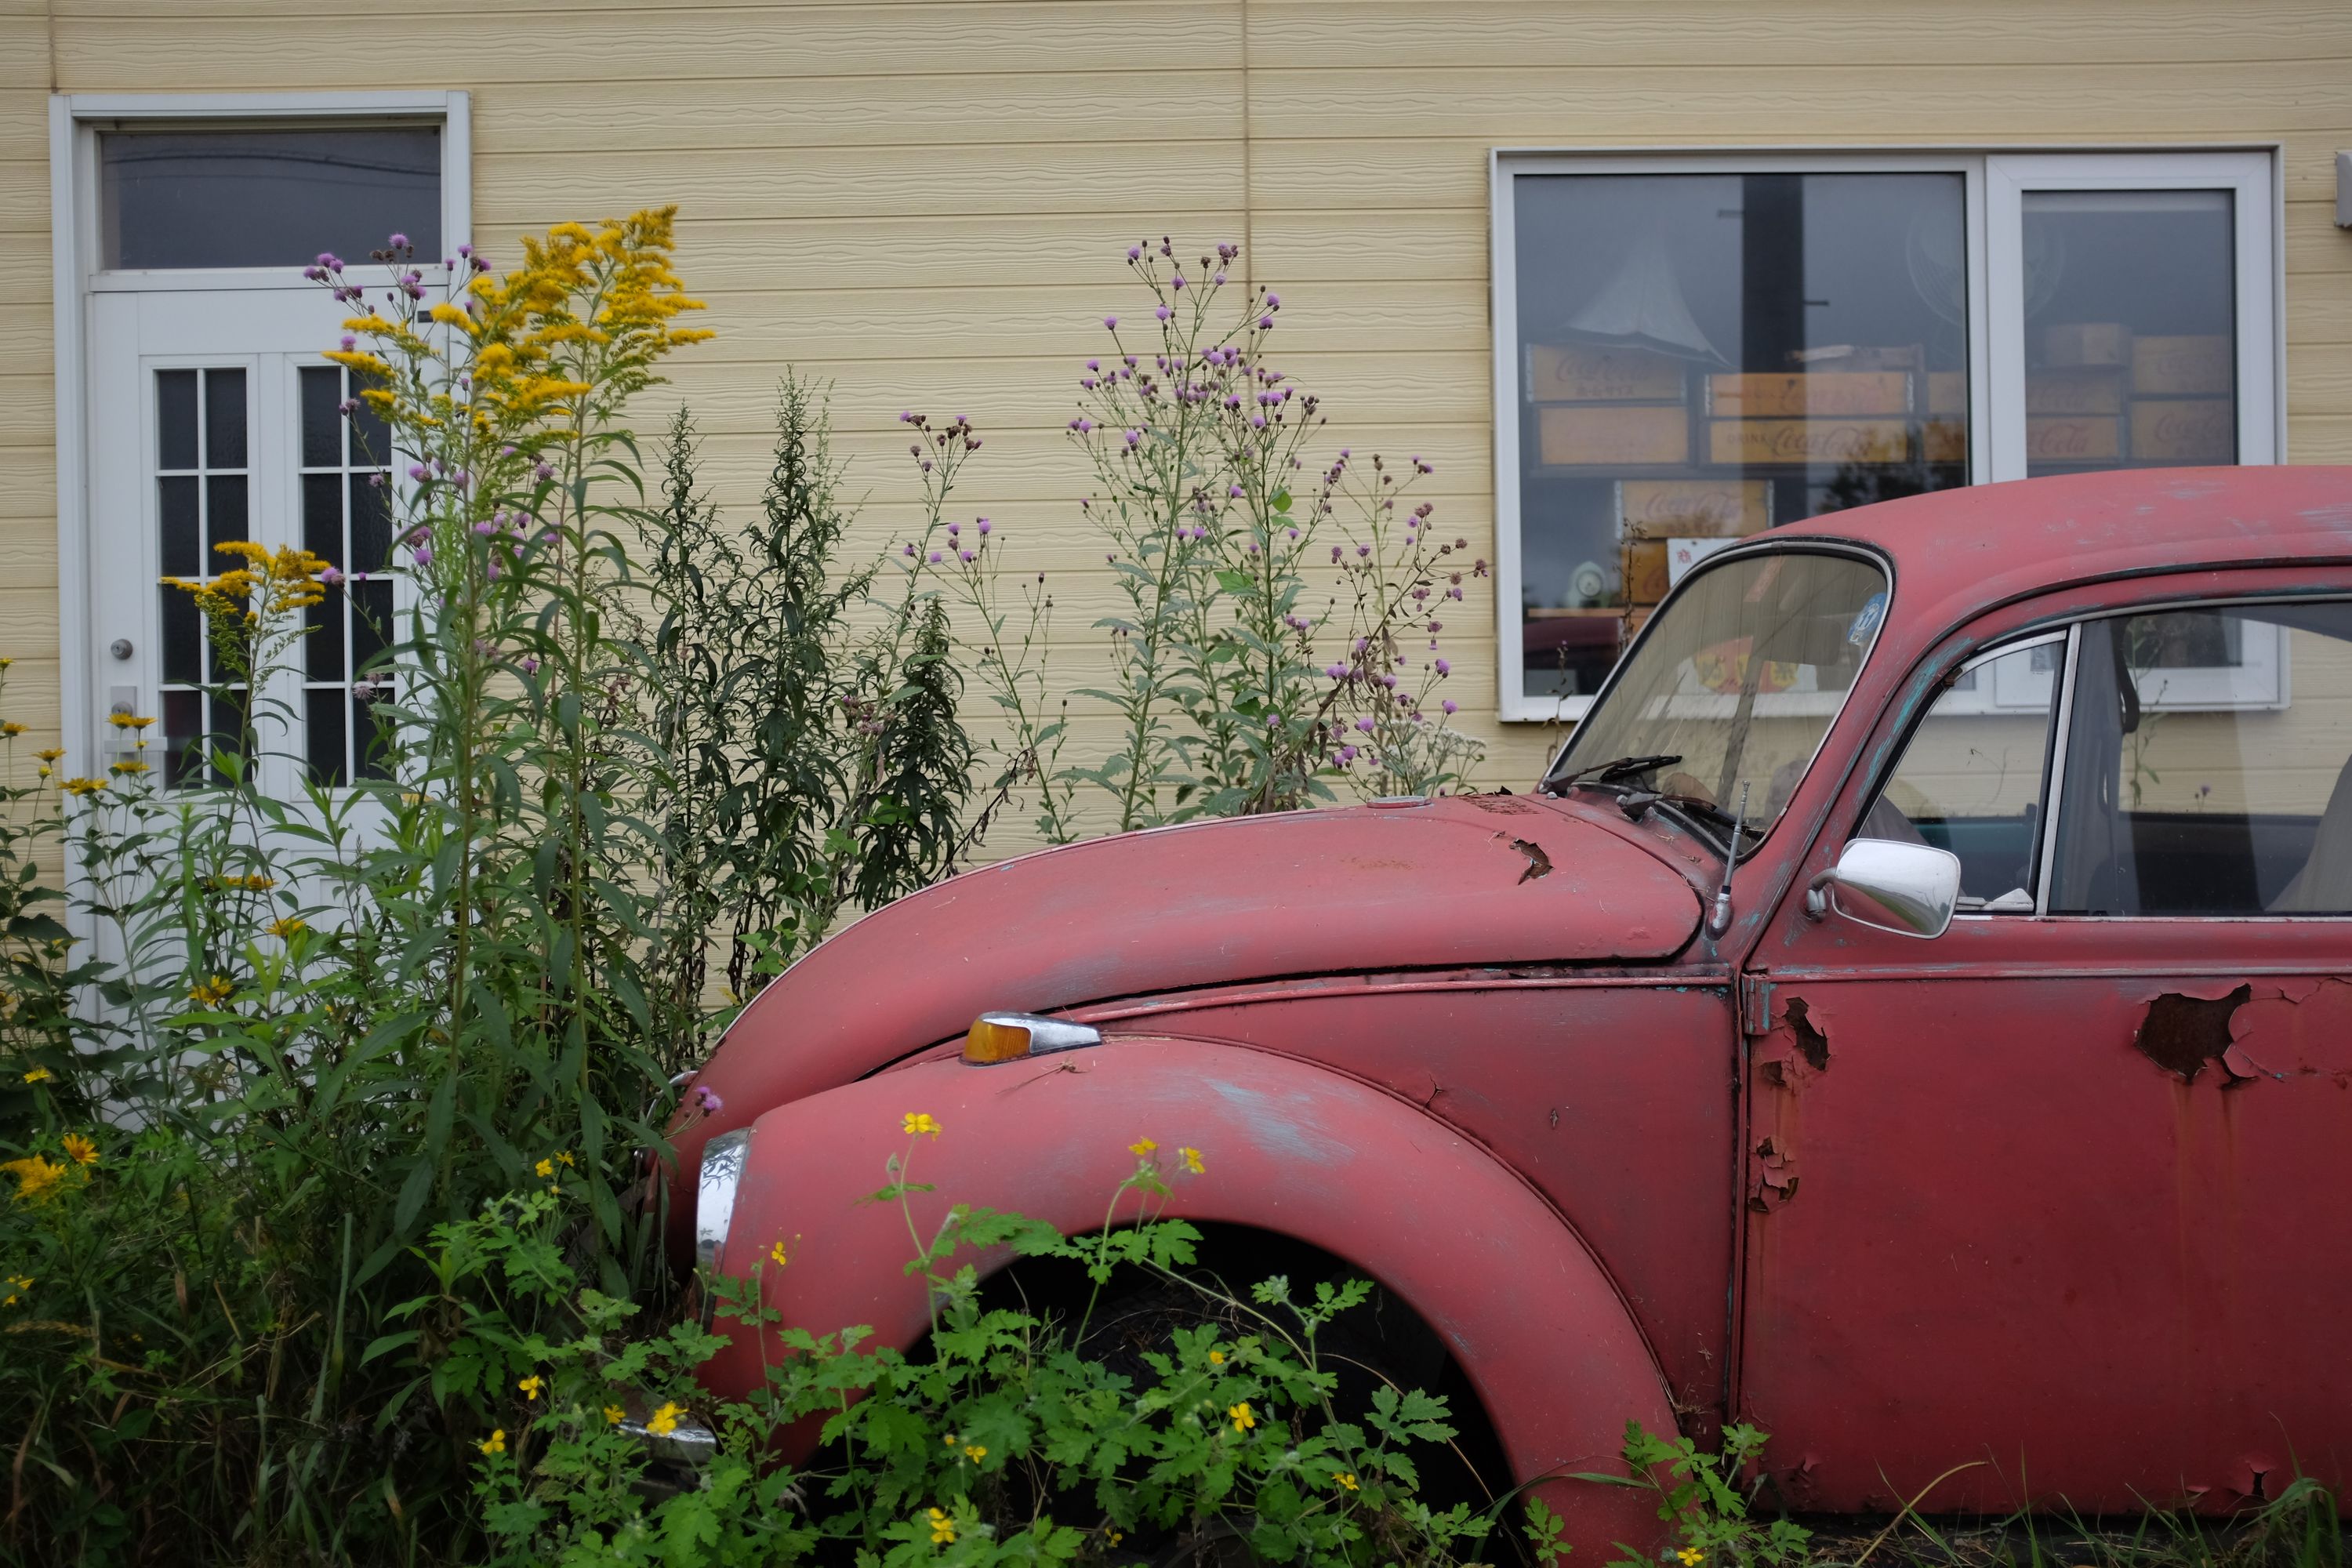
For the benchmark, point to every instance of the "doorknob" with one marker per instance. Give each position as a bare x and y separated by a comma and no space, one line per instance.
120,648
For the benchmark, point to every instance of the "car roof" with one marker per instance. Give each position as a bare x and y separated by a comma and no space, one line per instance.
1959,553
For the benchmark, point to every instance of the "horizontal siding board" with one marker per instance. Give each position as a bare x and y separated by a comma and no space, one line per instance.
175,51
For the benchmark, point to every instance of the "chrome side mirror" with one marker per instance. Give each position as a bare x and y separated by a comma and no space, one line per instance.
1910,890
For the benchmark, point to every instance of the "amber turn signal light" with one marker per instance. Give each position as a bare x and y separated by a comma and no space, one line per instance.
1009,1036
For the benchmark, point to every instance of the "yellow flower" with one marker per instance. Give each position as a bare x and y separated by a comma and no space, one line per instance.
44,770
50,754
79,1150
128,721
1345,1480
664,1422
951,1439
918,1122
1141,1148
776,1255
1241,1418
943,1528
1114,1537
285,928
975,1452
496,1443
563,1157
12,729
544,1169
615,1416
84,786
37,1075
36,1177
133,766
1691,1556
1216,1358
1193,1160
530,1386
210,993
17,1285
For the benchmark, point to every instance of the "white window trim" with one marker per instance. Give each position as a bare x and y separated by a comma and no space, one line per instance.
74,118
1994,177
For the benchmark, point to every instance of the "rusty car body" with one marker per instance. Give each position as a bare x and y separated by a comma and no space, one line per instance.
2058,1190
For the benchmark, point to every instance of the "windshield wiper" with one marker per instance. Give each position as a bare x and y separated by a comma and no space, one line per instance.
1619,770
1713,815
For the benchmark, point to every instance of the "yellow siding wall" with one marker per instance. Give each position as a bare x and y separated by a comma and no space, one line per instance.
928,202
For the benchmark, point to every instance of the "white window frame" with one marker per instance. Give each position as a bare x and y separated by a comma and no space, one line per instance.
1994,180
75,121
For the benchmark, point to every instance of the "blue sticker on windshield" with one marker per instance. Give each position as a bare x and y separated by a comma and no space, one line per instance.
1865,624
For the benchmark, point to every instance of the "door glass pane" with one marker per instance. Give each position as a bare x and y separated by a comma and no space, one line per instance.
1703,356
1971,778
264,198
202,490
2209,765
2131,346
345,522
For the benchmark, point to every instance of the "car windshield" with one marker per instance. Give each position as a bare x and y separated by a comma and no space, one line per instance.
1734,686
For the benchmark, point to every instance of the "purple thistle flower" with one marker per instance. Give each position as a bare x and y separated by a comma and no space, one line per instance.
1110,324
543,471
416,472
1335,671
1448,706
1176,280
1274,301
1219,280
1347,755
331,576
486,528
1442,668
1135,253
954,529
708,1098
1265,323
424,553
350,342
1164,312
400,242
910,549
982,525
936,558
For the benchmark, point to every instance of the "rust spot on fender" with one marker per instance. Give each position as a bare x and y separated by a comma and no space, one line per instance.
1776,1178
1538,863
2182,1034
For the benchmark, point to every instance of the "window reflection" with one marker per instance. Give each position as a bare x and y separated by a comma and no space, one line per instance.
1704,356
2130,330
264,198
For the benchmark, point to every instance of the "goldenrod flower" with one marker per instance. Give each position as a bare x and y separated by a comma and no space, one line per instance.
79,1150
615,1416
776,1255
496,1443
36,1177
210,993
918,1122
37,1075
1241,1418
943,1528
531,1386
1193,1160
1345,1480
664,1422
1141,1148
975,1452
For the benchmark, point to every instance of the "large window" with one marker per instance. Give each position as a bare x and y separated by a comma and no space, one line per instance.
1690,352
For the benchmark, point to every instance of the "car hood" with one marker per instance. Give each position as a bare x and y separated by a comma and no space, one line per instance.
1453,882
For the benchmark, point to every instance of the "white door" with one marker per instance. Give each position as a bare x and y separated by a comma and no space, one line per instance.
214,419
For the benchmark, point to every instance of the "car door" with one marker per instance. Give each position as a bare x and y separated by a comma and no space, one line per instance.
2054,1193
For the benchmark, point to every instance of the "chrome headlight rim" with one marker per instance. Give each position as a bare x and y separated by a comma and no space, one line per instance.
716,1182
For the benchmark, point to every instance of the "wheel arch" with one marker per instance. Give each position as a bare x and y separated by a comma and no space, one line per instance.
1286,1147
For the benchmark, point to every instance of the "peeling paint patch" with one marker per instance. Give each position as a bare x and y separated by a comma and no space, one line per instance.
1290,1127
1811,1044
2182,1034
1774,1186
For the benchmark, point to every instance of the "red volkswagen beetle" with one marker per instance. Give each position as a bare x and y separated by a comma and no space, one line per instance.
1912,1015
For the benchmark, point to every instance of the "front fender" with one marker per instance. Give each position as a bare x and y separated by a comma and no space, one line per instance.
1289,1147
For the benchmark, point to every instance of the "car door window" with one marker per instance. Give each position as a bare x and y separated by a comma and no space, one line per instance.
1973,773
2209,764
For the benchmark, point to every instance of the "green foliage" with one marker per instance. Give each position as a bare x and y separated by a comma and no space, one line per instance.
1699,1496
1002,1441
